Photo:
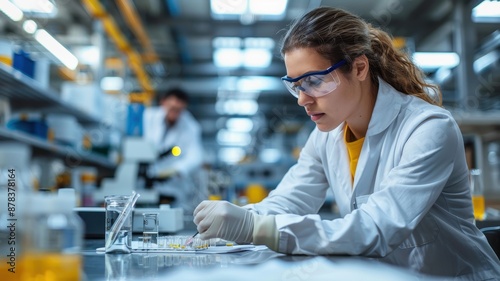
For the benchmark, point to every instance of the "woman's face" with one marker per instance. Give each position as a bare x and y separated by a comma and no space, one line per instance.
330,110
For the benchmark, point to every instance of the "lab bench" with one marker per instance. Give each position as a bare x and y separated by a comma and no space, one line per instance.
263,264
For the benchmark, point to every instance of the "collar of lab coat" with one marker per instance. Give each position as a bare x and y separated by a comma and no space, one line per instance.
387,107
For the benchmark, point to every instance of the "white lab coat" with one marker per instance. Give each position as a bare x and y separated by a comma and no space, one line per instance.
410,202
186,134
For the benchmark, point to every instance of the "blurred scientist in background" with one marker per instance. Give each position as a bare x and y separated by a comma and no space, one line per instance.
171,128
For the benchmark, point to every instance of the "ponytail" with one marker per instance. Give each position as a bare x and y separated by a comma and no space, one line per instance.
396,68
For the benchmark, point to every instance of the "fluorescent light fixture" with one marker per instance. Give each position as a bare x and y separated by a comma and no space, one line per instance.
58,50
231,155
228,7
228,57
266,7
259,42
486,11
486,60
257,58
258,83
270,155
88,55
270,9
442,75
112,83
236,107
226,137
30,26
226,42
11,10
242,125
434,60
44,8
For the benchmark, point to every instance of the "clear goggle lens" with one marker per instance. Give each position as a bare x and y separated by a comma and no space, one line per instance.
316,85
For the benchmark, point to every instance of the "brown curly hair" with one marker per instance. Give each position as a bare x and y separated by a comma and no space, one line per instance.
337,34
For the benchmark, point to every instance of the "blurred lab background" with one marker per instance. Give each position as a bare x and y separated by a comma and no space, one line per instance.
76,77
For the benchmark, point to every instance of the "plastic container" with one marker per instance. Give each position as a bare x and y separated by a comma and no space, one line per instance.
134,119
88,189
477,191
52,236
6,52
22,62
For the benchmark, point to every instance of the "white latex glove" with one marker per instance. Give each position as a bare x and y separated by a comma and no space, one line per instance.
221,219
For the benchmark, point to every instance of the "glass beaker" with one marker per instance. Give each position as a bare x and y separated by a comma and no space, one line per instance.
477,192
114,205
150,227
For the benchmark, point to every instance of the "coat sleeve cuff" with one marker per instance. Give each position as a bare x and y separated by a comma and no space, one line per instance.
265,231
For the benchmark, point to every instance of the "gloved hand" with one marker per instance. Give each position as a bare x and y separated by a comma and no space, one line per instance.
221,219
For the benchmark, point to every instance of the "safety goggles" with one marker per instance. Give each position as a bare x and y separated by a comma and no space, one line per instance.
314,84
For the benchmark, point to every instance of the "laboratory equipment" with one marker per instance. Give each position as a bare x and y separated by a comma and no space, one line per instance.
150,227
477,191
173,243
136,152
170,220
51,237
134,119
118,237
88,189
191,239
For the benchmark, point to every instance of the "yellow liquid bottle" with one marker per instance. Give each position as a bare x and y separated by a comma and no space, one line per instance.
51,237
13,275
479,206
477,192
50,267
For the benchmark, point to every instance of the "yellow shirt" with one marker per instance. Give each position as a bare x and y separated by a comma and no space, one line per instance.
354,150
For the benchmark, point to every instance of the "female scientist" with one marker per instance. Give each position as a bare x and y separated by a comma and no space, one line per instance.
392,156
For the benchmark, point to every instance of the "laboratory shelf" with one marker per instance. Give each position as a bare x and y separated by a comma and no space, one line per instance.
71,156
26,93
477,118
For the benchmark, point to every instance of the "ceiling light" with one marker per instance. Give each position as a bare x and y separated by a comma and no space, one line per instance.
112,83
258,58
243,125
88,55
58,50
486,11
11,10
226,42
228,7
259,42
266,7
442,75
30,26
43,8
257,84
231,155
485,61
227,57
226,137
434,60
223,9
236,107
270,155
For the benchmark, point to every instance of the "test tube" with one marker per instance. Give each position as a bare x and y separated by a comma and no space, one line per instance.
150,228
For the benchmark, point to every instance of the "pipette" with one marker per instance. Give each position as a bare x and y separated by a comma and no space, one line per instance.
190,239
115,229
